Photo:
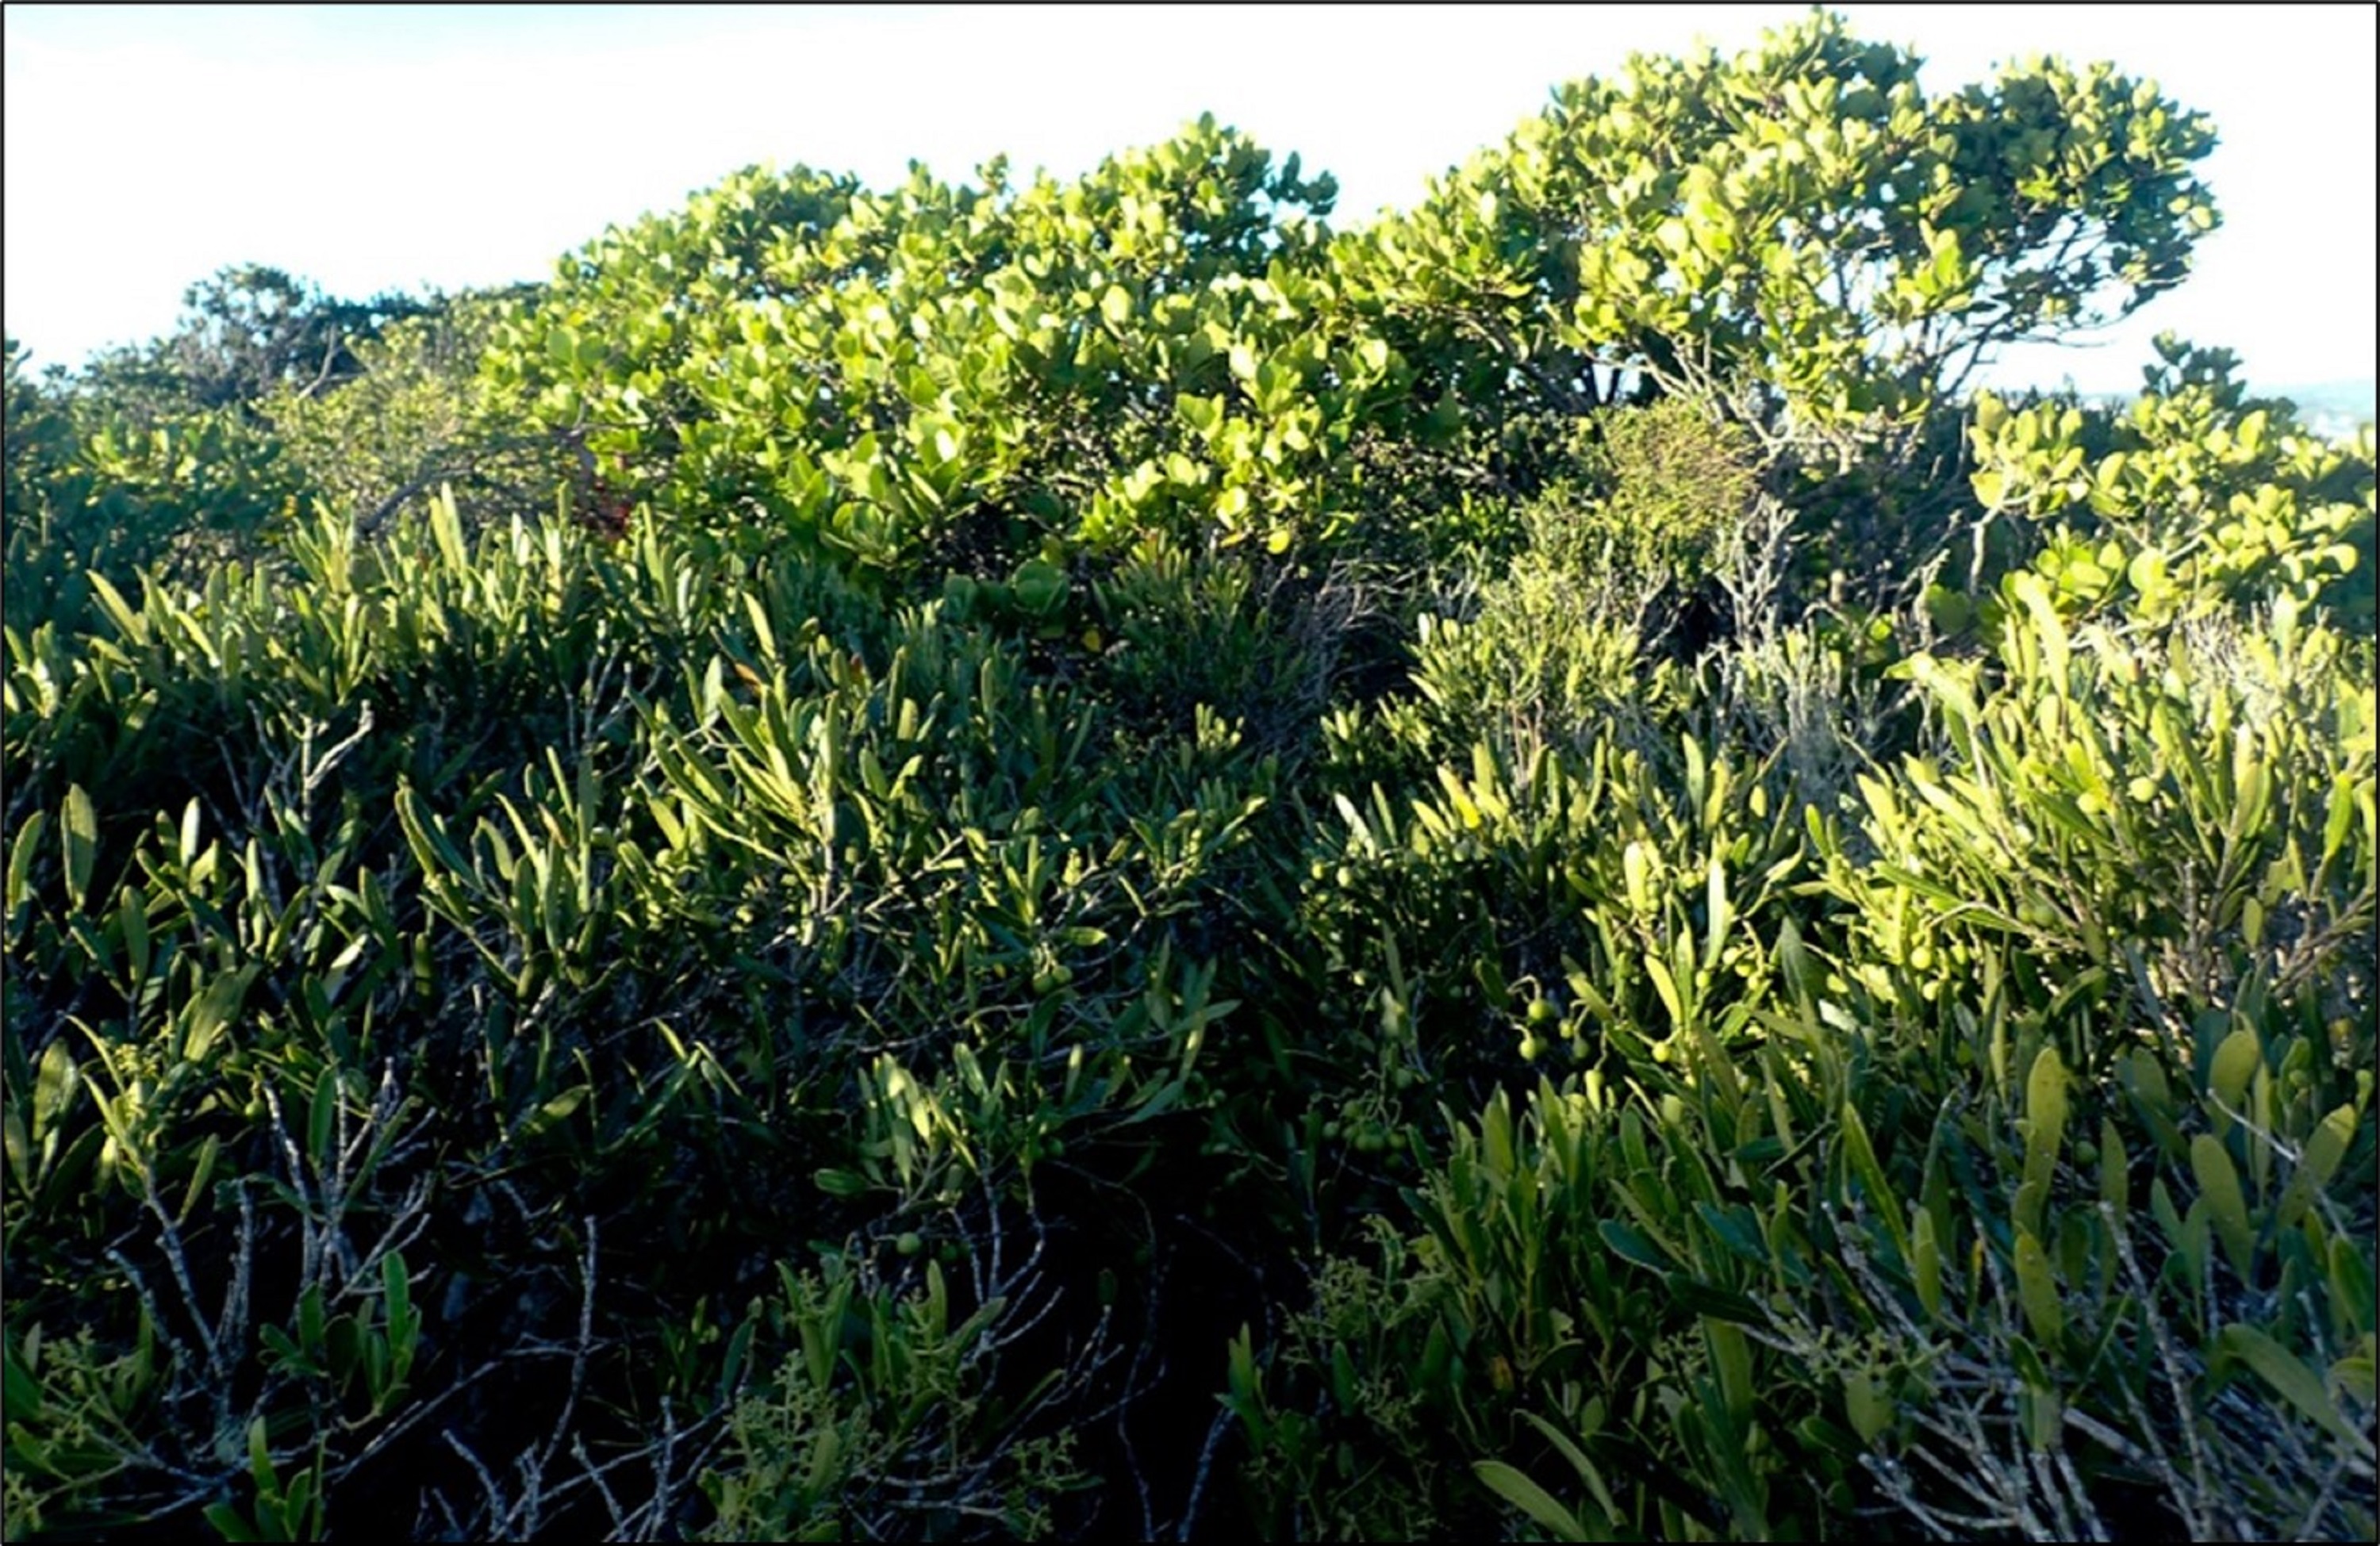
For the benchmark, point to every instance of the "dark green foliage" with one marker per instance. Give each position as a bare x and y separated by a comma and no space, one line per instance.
100,486
1082,860
248,331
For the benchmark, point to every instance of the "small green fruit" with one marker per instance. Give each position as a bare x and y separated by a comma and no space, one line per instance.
910,1243
1542,1011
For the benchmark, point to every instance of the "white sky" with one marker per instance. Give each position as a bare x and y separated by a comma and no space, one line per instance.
380,147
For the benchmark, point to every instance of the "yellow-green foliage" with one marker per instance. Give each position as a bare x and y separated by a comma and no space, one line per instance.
2194,498
1661,492
1079,860
408,425
882,1409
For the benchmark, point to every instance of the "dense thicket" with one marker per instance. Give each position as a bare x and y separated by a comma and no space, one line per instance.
1088,859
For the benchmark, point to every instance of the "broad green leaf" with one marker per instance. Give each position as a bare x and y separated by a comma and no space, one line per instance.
132,921
1870,1409
2235,1061
1039,587
1719,1304
260,1460
1634,867
18,1387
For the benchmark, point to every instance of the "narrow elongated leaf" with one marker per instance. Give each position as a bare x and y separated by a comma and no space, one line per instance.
209,1150
2115,1171
2036,1289
1530,1499
320,1117
2317,1164
1927,1263
2290,1374
2218,1185
21,854
1633,1245
1861,1157
398,1290
2045,1108
78,842
55,1083
1733,1356
1717,912
214,1011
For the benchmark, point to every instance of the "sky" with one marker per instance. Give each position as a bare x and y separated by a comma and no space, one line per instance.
376,148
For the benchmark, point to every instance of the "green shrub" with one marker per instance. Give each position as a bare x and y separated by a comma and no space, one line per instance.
882,1421
1658,494
2194,498
771,917
95,491
404,424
